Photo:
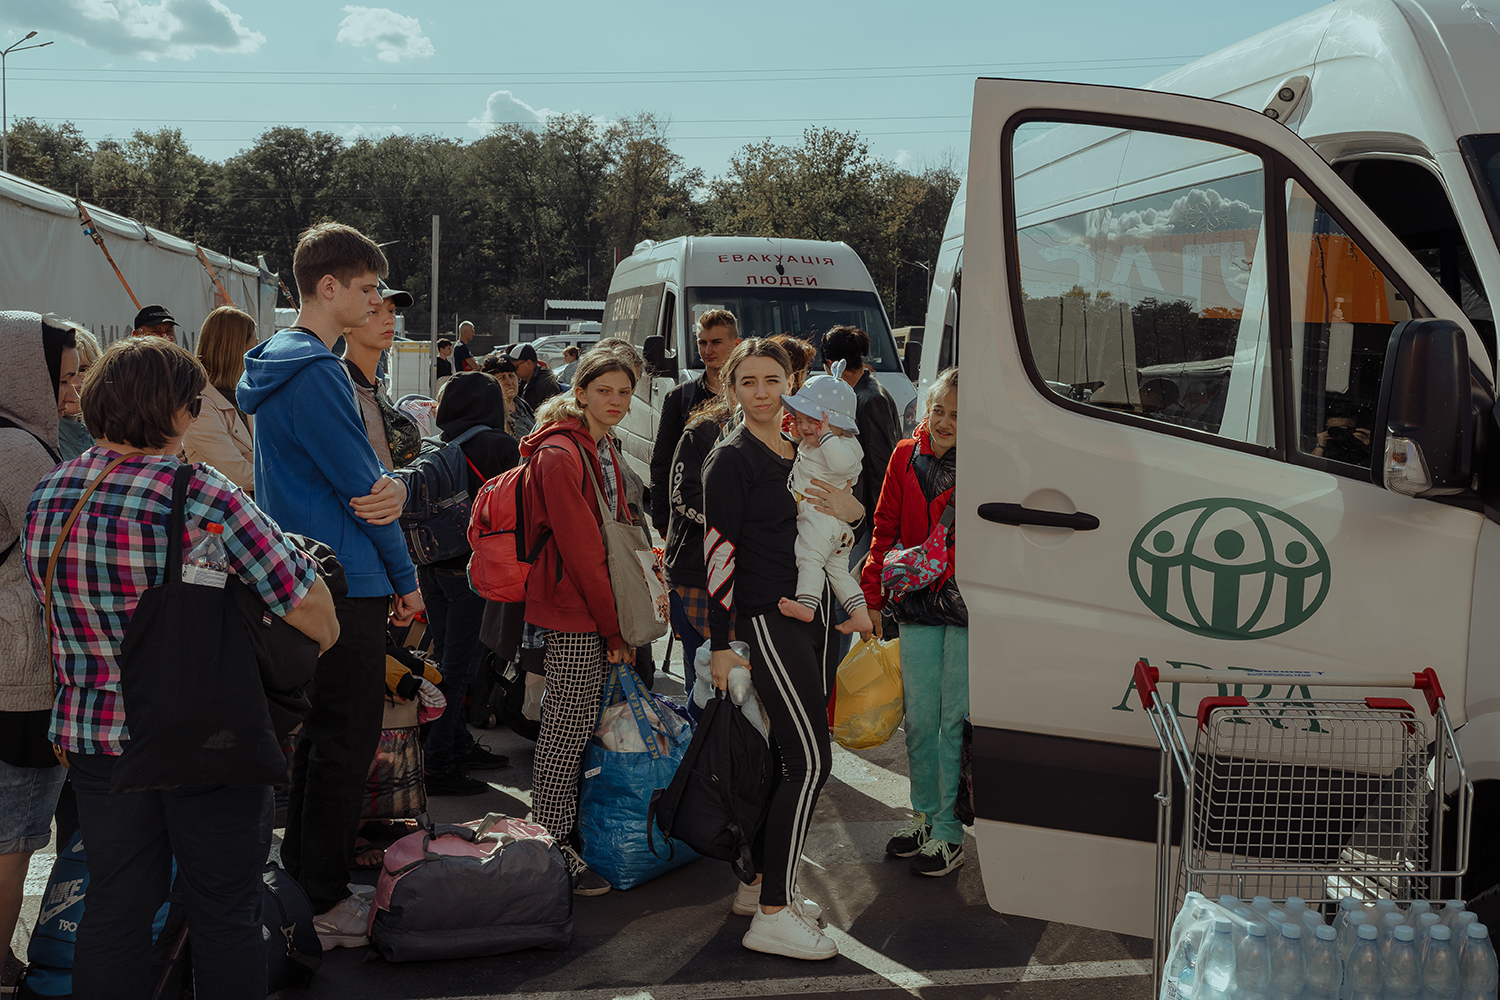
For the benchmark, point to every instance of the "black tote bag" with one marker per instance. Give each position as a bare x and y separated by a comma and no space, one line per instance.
195,709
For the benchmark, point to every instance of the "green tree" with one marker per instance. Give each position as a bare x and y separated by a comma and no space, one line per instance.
55,156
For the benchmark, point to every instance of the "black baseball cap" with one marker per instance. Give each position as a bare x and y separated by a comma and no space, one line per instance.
152,316
494,364
403,299
522,352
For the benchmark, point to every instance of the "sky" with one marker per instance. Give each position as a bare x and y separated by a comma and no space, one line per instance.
725,74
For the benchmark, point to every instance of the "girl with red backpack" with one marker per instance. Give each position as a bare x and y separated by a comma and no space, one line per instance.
567,588
917,492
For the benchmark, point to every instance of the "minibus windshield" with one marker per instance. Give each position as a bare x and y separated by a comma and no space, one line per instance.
802,312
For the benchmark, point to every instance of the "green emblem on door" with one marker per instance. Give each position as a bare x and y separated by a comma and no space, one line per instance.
1229,569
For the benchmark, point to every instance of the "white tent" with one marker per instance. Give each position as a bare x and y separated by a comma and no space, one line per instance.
48,265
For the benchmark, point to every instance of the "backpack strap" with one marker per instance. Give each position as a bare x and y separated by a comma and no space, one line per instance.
468,435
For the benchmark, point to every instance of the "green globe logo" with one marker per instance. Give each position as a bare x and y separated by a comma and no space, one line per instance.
1229,569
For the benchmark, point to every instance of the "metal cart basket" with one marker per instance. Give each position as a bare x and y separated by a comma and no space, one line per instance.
1303,797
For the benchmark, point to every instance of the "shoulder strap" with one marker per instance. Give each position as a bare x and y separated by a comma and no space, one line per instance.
469,434
594,478
62,537
52,452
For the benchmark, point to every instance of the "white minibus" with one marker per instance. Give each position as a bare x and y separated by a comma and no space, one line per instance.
800,287
1228,391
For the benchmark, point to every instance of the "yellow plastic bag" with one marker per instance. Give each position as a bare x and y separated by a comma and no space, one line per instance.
867,704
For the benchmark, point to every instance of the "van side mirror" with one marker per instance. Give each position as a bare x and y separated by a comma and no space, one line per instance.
911,360
654,350
1425,419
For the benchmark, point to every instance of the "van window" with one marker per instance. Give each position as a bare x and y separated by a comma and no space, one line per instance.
668,316
1343,309
1135,258
948,346
802,312
631,313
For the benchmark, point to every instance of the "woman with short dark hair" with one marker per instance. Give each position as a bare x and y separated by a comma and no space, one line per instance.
139,401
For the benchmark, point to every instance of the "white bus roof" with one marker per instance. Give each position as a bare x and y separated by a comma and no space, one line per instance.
737,261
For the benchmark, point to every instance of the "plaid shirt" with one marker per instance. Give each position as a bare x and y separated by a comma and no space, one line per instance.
116,551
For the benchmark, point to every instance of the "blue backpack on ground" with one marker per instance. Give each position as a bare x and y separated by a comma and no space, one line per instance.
435,518
49,956
615,804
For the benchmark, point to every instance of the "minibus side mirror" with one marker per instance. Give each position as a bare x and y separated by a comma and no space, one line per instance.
1425,420
911,361
654,350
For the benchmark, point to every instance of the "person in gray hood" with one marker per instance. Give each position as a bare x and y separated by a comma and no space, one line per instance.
41,366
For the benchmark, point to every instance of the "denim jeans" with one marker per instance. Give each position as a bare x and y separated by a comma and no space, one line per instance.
453,616
220,836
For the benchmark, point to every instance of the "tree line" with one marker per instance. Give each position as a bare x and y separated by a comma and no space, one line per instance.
527,213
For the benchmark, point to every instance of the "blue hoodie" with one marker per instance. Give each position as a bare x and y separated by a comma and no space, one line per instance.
312,457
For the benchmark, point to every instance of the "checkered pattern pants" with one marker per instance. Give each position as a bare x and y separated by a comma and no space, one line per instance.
575,664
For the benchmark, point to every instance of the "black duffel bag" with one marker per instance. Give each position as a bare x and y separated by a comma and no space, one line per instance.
719,796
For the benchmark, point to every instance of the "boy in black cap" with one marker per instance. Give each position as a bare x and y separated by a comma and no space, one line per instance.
538,384
155,321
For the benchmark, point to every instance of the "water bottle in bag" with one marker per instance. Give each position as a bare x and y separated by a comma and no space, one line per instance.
1402,968
1214,970
1362,979
1288,964
1478,973
1440,971
207,563
1325,972
1252,965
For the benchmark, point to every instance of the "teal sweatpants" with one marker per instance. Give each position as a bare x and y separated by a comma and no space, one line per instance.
935,684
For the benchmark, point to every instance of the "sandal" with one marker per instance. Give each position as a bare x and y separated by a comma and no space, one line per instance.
367,855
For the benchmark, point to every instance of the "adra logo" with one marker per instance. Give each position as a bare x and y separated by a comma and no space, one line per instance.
1229,569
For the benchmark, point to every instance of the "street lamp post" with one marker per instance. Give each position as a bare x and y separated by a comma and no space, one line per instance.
928,298
4,111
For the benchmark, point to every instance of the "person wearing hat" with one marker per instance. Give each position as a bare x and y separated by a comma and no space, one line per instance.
538,384
828,451
155,321
395,437
520,419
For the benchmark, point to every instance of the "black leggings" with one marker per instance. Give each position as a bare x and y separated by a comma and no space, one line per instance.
786,661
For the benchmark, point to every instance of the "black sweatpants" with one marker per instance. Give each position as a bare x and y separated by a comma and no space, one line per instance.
787,666
334,751
220,837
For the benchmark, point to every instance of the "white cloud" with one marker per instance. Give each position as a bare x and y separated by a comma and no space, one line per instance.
394,36
174,29
503,106
374,133
903,158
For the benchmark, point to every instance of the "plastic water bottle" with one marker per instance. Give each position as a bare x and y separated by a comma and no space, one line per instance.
1416,909
1350,936
1213,973
1325,972
1252,964
1262,903
1402,968
1440,972
1347,905
1185,951
1362,980
1451,910
1294,906
206,563
1388,926
1288,964
1185,916
1311,920
1424,927
1478,973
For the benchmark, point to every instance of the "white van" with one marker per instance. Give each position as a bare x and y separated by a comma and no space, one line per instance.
800,287
1228,399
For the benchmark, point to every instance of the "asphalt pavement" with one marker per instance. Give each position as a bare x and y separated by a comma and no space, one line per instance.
675,938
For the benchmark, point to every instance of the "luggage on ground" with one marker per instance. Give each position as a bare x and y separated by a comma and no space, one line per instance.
718,798
463,891
635,751
868,705
435,518
293,951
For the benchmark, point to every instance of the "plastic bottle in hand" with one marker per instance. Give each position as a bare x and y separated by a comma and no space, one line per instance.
740,684
1288,964
1440,972
1362,980
207,563
1252,964
1213,973
1478,973
1325,973
1402,967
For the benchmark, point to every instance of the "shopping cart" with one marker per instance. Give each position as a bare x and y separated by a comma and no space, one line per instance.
1304,797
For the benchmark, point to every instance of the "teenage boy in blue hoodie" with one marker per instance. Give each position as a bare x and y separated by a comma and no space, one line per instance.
317,475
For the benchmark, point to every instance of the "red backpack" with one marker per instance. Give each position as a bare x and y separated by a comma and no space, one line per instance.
497,534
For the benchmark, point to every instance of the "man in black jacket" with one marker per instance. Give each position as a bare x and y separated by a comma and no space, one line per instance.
875,415
538,384
718,334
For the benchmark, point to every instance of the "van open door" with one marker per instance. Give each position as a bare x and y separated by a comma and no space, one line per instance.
1174,448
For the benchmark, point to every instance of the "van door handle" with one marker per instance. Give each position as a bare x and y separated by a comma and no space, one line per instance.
1014,513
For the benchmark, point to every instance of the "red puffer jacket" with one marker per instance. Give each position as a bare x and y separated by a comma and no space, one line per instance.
568,587
905,516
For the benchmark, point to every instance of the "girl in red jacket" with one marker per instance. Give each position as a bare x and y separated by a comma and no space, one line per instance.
919,485
568,591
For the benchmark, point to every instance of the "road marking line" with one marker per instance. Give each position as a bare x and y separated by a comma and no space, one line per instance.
886,968
810,985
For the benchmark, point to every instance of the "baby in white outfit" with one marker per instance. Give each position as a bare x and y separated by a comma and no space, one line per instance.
828,450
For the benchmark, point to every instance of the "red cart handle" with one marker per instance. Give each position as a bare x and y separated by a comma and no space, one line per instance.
1427,682
1146,677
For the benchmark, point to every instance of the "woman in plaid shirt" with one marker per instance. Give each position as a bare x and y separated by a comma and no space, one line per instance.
139,400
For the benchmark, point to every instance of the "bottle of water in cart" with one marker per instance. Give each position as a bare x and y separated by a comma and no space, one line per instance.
1325,971
1214,971
1440,971
1252,965
1479,976
1402,968
1362,974
1288,964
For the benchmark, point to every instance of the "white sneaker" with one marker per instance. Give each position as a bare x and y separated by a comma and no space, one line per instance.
787,932
747,903
346,925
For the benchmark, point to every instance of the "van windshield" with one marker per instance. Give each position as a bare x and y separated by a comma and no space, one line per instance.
802,312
